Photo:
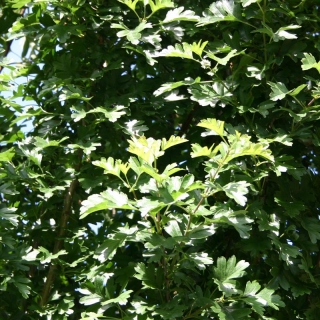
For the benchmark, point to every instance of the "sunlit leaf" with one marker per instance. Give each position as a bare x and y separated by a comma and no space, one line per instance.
179,14
108,199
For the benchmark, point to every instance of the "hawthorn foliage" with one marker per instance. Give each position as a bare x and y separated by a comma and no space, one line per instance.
171,171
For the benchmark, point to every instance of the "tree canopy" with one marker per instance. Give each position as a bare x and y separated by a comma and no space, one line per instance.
171,171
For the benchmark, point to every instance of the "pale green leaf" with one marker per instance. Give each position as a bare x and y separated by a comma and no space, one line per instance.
225,60
173,229
309,62
173,140
247,3
134,35
90,299
78,113
146,149
279,90
169,86
282,34
112,114
266,296
183,50
242,146
224,10
237,191
214,125
160,4
198,48
7,155
87,147
135,127
236,219
251,288
210,95
72,92
178,14
111,166
45,143
108,199
130,3
122,299
48,256
8,214
200,259
198,151
148,206
108,249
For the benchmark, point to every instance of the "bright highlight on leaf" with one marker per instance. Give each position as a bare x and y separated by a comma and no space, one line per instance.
309,62
214,125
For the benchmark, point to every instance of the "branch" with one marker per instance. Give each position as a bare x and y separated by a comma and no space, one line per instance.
59,242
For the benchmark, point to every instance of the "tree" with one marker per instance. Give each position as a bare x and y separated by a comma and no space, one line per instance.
172,168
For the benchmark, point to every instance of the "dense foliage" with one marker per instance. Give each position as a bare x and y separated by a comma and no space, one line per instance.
172,167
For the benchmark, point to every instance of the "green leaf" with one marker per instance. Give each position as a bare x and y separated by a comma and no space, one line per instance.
87,147
247,3
112,114
42,143
108,249
173,229
132,35
224,10
309,62
282,34
313,227
8,214
111,166
236,191
79,113
225,60
201,259
22,284
215,126
198,151
122,299
173,85
180,51
89,299
235,219
48,256
150,276
159,4
148,206
72,92
173,140
7,155
264,298
226,271
210,95
178,14
242,146
130,3
279,90
146,149
135,128
108,199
